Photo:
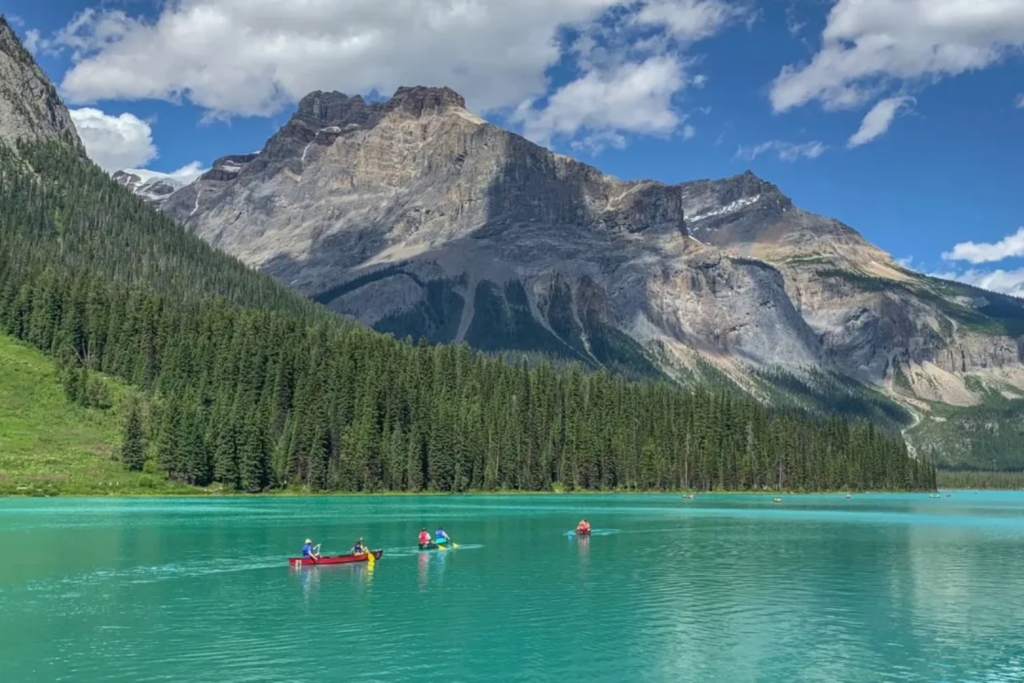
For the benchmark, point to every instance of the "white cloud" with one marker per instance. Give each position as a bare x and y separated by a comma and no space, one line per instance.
877,121
634,97
125,142
906,262
114,142
1019,102
690,19
786,151
254,57
1002,281
869,44
988,252
688,132
189,172
31,40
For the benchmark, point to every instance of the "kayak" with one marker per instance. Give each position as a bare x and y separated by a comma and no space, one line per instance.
583,532
332,559
433,545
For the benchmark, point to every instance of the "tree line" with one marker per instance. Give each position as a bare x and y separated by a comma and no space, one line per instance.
244,383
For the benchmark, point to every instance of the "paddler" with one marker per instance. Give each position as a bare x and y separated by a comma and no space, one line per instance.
309,551
441,536
359,548
424,538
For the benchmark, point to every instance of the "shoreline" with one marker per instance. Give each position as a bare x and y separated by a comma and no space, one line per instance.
441,494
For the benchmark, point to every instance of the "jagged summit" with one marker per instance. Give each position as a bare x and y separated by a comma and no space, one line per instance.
333,108
30,108
419,100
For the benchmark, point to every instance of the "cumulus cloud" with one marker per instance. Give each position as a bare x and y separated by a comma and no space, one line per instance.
114,142
877,121
786,151
688,131
906,262
189,172
869,44
125,142
31,40
690,19
1002,281
988,252
634,97
254,57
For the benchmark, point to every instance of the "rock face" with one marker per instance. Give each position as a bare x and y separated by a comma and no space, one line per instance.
419,218
29,106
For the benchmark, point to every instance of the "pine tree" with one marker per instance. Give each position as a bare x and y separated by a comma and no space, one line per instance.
133,443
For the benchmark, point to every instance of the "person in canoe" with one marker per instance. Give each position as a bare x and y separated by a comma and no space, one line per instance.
441,536
424,539
583,528
359,548
309,550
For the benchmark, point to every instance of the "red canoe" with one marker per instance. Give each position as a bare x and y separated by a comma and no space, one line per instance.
583,532
332,559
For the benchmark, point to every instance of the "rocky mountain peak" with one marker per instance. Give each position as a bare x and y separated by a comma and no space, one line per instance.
325,109
419,100
30,108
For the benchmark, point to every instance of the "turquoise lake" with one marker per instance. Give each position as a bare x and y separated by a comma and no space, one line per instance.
721,588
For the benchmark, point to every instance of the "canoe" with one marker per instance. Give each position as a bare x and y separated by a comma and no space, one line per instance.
583,532
433,545
332,559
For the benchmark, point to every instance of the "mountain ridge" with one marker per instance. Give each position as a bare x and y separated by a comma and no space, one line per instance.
416,217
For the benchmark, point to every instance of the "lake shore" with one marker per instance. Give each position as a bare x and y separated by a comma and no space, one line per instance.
193,492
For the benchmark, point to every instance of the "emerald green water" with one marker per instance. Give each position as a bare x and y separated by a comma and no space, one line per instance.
723,588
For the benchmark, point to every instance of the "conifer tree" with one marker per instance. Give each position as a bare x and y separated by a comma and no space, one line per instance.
133,443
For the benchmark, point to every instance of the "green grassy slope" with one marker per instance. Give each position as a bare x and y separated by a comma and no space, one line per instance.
50,446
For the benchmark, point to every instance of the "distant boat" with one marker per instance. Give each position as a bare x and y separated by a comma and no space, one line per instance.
777,500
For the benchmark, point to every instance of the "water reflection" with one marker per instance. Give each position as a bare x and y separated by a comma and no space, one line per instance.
423,563
310,580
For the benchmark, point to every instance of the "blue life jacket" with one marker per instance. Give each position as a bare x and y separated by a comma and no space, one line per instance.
307,550
439,534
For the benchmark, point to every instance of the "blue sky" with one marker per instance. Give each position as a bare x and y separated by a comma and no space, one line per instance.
903,118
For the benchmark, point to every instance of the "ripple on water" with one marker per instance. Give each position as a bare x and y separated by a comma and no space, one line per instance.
734,588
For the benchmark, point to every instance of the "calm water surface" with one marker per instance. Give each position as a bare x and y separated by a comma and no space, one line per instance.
723,588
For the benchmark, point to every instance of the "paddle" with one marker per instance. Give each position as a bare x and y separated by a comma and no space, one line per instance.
370,557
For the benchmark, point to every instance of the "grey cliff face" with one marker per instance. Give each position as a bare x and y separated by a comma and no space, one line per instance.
30,108
419,218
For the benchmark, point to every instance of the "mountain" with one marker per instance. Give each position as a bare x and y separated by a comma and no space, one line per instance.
238,383
416,217
153,187
29,106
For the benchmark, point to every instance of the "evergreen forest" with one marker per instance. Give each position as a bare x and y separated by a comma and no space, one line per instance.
239,381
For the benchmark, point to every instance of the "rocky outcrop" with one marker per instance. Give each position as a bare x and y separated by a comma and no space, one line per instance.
30,108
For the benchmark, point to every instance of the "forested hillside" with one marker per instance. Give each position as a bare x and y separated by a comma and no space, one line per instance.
252,386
